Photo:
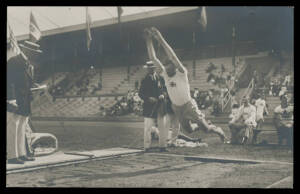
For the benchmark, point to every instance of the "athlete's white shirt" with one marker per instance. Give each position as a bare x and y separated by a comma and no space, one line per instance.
178,87
260,107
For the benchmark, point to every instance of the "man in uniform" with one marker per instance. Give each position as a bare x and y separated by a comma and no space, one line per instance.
19,83
152,93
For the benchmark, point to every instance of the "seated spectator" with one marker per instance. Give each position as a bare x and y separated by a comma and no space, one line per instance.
208,99
284,121
217,107
242,124
196,93
201,100
124,106
283,91
137,104
210,68
261,110
234,110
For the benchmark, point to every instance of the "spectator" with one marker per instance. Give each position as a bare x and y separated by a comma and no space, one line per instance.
234,110
261,109
137,104
217,107
201,100
242,124
211,67
211,78
196,93
284,121
208,99
283,91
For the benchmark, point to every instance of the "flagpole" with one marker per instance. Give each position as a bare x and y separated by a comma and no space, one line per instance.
233,48
194,54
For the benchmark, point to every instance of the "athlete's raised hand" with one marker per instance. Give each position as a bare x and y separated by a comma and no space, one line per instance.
155,33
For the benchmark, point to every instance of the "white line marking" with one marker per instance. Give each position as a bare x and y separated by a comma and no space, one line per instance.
278,182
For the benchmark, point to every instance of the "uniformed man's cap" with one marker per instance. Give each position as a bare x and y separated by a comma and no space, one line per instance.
149,64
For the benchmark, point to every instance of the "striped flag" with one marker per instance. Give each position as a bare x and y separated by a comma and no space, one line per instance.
203,18
120,12
13,41
88,28
34,30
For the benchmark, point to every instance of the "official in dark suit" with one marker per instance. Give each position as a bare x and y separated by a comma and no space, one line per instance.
18,106
153,92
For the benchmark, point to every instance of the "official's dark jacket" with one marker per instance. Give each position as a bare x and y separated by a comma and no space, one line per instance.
19,83
151,87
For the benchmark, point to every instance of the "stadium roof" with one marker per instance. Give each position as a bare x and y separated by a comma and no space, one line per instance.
56,20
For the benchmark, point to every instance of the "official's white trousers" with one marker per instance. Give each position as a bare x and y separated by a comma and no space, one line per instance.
16,144
163,128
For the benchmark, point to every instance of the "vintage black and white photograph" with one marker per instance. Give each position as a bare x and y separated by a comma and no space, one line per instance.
150,97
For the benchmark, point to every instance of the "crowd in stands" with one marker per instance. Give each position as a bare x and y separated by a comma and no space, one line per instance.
280,86
130,103
225,82
85,87
277,86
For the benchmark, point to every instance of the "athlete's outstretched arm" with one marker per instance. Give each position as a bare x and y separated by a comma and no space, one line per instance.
151,51
171,54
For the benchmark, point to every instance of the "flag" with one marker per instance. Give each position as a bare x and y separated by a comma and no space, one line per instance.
120,11
88,28
203,18
34,30
13,41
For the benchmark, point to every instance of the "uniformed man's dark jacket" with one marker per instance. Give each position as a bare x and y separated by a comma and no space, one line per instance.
18,84
151,87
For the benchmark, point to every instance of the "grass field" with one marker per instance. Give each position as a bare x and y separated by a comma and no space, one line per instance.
154,170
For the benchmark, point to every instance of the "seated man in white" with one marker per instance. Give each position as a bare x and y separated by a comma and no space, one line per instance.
242,124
